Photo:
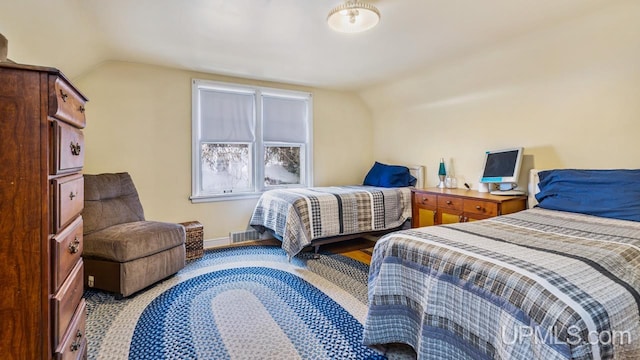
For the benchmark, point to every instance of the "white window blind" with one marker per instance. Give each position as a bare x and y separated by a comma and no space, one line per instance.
284,119
227,116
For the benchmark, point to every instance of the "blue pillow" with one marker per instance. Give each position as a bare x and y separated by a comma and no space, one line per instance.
606,193
389,176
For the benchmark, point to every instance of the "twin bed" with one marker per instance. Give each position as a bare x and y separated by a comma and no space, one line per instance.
537,284
303,217
560,280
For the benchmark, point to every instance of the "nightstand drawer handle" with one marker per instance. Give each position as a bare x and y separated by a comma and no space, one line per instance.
71,195
448,202
478,207
63,96
81,109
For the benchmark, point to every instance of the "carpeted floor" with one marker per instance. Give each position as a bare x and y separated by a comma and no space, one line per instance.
241,303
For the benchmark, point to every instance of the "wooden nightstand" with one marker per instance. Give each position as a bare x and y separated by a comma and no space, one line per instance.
435,206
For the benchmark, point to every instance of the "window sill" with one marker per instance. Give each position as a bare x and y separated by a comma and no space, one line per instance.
196,199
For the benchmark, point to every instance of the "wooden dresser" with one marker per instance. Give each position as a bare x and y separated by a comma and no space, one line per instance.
41,197
436,206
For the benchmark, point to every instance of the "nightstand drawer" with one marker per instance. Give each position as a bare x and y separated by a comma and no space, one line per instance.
426,200
450,203
480,207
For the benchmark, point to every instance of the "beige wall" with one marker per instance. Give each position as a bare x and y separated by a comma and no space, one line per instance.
139,120
569,93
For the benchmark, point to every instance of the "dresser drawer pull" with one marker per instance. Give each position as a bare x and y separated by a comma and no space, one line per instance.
75,148
448,202
74,245
63,96
76,344
81,109
425,200
478,207
72,195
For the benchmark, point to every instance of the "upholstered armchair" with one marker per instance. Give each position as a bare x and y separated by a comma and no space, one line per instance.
124,253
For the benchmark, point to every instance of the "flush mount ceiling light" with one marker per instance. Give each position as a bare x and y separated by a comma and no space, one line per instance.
353,16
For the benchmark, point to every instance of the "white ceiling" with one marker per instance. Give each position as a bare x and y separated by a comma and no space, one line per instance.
279,40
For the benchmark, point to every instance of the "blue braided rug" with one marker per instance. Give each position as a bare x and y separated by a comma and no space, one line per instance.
239,303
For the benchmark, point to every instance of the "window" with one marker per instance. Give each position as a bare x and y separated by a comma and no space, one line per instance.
248,139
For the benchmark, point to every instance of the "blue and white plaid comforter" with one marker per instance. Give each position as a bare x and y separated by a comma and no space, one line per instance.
300,215
538,284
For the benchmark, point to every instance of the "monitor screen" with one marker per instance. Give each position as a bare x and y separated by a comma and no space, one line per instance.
502,166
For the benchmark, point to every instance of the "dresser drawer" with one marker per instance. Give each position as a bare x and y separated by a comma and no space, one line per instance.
66,300
74,343
449,202
426,200
68,148
68,200
65,103
66,251
481,207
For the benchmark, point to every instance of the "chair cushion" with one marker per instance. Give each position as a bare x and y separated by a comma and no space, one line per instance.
133,240
109,199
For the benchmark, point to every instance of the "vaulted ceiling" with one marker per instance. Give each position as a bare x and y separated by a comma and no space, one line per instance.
278,40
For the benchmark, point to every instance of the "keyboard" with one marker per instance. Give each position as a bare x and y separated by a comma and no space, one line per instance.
507,192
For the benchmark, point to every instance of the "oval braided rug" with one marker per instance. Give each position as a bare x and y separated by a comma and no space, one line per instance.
239,303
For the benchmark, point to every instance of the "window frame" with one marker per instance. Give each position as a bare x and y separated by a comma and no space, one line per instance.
257,148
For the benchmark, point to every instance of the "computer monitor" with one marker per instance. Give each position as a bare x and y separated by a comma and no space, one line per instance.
502,167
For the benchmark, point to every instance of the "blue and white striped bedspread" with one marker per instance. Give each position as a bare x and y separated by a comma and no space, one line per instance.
300,215
538,284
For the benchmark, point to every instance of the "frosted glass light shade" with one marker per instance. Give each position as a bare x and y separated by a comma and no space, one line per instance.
353,16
